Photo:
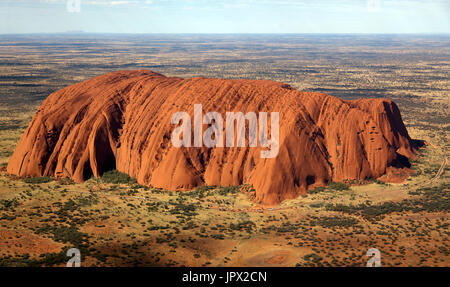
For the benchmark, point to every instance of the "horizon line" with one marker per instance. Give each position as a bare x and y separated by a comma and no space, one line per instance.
222,33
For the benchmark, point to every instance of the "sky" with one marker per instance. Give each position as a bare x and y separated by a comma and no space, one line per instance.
225,16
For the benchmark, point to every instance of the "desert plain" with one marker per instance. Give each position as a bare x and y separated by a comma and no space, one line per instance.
115,221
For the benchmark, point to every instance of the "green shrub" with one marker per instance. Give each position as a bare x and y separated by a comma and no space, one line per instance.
8,204
225,190
244,225
37,180
318,189
65,234
117,177
47,259
313,257
218,236
184,209
338,186
200,191
336,221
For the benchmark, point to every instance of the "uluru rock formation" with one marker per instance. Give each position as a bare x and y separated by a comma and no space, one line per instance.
122,120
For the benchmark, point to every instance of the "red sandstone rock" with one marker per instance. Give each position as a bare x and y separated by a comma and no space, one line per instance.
123,120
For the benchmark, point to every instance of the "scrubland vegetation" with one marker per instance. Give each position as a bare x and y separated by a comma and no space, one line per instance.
115,221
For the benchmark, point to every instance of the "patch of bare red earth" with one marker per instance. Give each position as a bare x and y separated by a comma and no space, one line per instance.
17,242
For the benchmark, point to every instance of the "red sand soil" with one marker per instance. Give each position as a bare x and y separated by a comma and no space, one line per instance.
122,120
13,242
396,175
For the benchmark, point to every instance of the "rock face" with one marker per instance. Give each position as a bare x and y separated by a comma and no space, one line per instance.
122,120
